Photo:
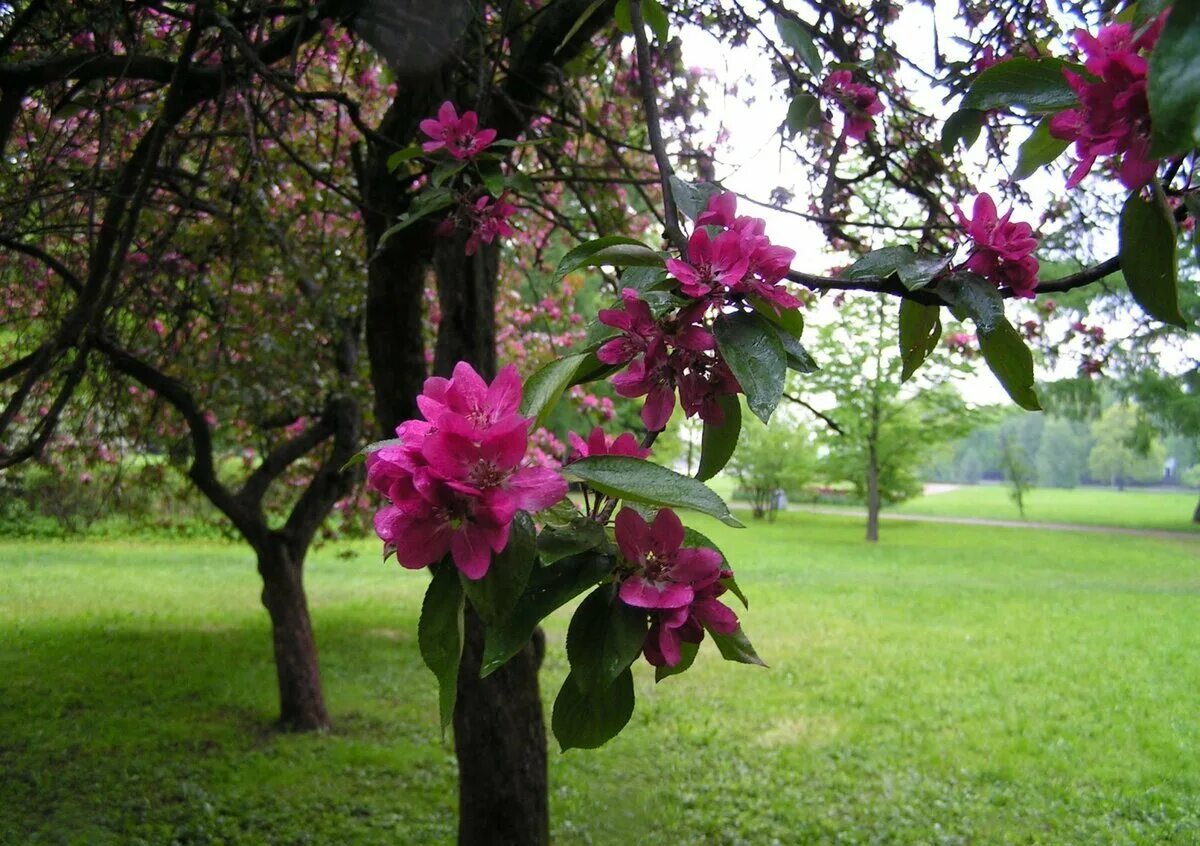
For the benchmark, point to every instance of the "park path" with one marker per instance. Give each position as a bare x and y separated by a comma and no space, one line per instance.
1162,534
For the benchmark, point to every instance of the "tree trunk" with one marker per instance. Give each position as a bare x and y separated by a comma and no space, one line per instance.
872,495
1196,514
500,741
301,702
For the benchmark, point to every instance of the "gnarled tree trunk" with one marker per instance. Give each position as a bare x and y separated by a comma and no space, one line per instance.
301,701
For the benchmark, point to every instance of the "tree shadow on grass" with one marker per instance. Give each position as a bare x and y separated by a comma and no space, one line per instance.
136,732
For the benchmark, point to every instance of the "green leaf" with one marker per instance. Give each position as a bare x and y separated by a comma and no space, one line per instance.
591,369
543,389
588,721
426,204
579,22
970,295
643,279
401,156
611,249
440,634
496,594
732,586
804,113
718,443
604,638
796,36
798,358
622,17
692,198
922,269
655,17
493,179
556,543
444,172
1009,358
736,647
687,657
1038,150
964,125
549,588
636,480
1035,85
790,320
920,329
879,264
1148,260
1174,83
752,349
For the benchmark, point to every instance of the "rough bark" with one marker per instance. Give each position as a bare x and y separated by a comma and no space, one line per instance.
301,702
500,740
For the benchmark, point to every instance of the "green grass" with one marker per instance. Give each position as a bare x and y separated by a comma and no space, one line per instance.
952,685
1090,506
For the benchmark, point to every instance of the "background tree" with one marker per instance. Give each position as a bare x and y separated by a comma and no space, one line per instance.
780,458
1125,450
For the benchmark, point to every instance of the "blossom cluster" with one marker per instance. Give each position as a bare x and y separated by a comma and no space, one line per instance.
858,101
1113,117
456,479
678,586
729,262
485,217
1001,250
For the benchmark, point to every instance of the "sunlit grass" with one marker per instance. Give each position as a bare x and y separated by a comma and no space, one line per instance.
951,685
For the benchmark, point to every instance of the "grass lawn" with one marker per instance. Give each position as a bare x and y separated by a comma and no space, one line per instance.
954,685
1094,506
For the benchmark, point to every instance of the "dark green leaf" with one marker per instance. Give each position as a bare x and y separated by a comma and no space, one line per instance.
1148,257
549,588
636,480
556,543
687,657
879,264
587,721
733,587
752,349
643,279
922,270
1009,358
440,634
920,329
401,156
1035,85
655,17
444,172
611,249
692,198
1174,84
496,594
964,125
579,22
1038,150
790,320
798,358
544,387
803,114
718,443
622,18
970,295
604,638
591,369
736,647
426,204
796,36
493,179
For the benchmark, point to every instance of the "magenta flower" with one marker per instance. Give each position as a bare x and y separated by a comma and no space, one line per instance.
661,571
674,626
860,103
766,264
460,137
1113,117
457,478
598,443
491,221
702,381
1002,251
638,327
651,376
711,262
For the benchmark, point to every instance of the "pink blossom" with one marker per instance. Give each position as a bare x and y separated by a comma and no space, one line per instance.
1002,251
860,103
491,221
1113,117
460,137
599,443
674,626
711,262
661,571
457,478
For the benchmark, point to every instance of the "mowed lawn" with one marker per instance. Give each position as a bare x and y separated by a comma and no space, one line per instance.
954,684
1088,506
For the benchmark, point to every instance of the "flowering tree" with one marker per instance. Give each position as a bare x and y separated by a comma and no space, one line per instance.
697,322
